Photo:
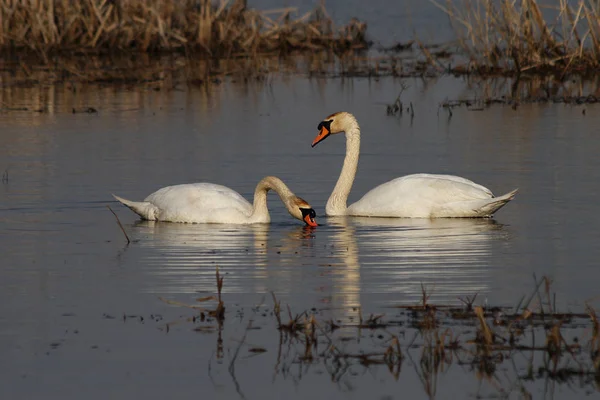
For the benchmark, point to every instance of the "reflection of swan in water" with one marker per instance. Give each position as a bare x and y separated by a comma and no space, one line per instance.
346,285
208,238
393,256
347,262
185,256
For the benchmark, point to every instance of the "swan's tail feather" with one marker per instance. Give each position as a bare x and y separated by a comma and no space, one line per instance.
496,203
482,208
144,209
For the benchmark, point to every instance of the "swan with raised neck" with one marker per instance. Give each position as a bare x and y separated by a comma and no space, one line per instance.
410,196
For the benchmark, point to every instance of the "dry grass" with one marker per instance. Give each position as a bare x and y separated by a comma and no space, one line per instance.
510,36
223,28
495,37
166,41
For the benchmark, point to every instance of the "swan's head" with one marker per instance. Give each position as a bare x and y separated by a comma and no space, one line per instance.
301,210
340,122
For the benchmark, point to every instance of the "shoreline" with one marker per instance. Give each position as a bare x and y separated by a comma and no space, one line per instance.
141,41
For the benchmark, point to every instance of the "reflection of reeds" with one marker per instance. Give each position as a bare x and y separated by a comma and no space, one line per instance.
518,36
595,339
308,339
160,71
218,312
222,28
514,91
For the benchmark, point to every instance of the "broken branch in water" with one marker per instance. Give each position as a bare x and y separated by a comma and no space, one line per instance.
120,225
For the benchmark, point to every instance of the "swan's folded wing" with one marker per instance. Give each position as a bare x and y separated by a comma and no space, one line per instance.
452,185
196,202
417,195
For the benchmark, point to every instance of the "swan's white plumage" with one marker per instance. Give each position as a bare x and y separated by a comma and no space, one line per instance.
411,196
419,196
427,196
212,203
200,203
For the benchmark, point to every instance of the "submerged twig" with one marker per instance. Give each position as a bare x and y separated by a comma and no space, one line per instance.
120,225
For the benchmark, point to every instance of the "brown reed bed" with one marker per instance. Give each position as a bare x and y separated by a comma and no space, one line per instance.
148,41
516,37
190,41
225,28
197,41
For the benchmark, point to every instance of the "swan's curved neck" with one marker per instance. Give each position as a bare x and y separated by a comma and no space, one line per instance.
338,201
260,212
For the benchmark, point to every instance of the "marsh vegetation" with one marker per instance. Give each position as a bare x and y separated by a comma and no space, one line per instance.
517,37
532,341
198,40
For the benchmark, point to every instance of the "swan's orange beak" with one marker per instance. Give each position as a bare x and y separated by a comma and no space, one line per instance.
323,133
308,215
310,221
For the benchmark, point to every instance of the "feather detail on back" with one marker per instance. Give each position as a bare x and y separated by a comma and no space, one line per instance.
427,196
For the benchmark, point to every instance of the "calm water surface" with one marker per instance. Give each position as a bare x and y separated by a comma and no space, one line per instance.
67,277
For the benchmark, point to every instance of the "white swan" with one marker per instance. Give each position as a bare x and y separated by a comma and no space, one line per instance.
211,203
411,196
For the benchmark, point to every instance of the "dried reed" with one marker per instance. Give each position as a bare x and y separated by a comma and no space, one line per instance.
224,28
510,36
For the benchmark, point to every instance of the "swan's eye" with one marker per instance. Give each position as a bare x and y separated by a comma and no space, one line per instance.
308,216
325,124
308,212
